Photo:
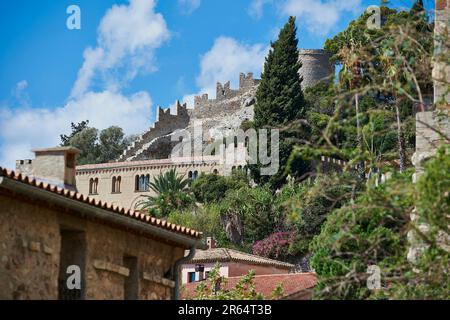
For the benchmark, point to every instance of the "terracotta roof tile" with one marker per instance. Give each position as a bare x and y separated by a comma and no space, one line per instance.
292,283
100,204
226,255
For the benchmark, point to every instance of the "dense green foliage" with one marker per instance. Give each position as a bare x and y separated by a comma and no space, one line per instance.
171,193
95,148
373,231
210,188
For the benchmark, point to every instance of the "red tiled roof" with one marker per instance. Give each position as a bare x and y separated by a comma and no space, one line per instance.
292,283
100,204
228,255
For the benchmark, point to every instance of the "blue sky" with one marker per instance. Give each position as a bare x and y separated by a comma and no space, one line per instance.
131,56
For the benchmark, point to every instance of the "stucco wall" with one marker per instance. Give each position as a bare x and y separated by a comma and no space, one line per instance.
232,269
128,197
30,254
208,266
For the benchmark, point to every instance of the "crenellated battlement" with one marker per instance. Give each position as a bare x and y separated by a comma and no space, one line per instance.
246,81
24,167
224,91
204,105
165,124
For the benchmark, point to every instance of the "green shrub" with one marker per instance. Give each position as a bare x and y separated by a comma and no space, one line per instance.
370,231
373,231
212,187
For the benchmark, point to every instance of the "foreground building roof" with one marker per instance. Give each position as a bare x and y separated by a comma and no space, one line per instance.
230,255
296,286
85,205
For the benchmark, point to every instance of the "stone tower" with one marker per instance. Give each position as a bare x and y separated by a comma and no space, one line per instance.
316,66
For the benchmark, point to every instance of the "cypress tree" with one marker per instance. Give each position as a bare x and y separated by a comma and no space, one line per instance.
279,98
417,8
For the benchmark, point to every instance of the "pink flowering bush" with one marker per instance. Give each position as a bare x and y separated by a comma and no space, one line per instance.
275,246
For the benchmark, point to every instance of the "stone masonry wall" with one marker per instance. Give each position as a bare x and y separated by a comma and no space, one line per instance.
29,246
316,67
30,254
165,124
226,101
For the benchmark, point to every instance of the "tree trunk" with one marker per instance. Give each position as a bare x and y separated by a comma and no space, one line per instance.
401,140
361,169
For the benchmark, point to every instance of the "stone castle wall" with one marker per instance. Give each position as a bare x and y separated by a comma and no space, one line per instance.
165,124
227,100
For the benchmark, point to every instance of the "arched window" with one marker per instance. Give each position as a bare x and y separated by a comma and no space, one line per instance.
240,168
136,183
190,175
147,182
91,186
195,175
113,185
216,171
142,182
116,184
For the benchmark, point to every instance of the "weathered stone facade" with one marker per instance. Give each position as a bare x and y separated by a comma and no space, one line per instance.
44,230
316,67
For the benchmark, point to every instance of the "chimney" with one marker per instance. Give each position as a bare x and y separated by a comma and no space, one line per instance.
56,166
210,242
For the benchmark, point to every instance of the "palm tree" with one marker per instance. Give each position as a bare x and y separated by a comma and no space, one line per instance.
171,193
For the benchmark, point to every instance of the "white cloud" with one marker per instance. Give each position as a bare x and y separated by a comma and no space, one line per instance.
224,61
19,94
255,10
319,16
127,38
27,128
189,6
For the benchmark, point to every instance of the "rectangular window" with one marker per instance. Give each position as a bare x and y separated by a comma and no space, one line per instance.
191,277
131,284
71,265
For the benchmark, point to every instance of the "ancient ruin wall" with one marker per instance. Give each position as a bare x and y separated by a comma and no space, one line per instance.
165,123
227,100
